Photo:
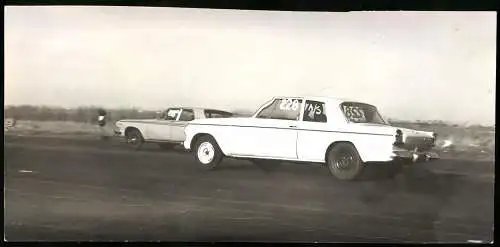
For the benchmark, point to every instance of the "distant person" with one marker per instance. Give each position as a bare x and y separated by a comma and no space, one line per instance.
101,121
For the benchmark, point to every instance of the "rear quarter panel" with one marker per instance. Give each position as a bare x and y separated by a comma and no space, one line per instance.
312,145
314,139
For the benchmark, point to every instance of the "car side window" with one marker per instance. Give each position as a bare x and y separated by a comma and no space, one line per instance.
187,115
172,114
284,109
314,112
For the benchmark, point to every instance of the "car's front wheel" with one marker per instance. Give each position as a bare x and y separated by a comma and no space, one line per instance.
207,153
344,162
134,139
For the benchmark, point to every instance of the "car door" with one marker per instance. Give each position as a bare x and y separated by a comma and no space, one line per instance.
177,127
313,135
160,129
273,131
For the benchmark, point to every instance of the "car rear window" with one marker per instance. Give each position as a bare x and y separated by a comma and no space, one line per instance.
361,113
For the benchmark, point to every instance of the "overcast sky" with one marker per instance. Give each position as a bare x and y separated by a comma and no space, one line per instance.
412,65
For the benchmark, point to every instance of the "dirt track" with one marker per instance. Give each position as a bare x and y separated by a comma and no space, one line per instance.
69,189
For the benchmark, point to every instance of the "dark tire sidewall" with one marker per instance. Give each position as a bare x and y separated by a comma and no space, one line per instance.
355,167
217,153
138,135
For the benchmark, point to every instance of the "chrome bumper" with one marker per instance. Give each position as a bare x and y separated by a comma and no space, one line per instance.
415,156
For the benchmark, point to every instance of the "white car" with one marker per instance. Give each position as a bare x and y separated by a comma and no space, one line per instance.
344,134
167,129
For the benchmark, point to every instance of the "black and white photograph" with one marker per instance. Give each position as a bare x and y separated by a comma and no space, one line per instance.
173,124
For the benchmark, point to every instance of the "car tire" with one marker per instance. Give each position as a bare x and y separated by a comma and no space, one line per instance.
134,139
207,153
166,146
344,162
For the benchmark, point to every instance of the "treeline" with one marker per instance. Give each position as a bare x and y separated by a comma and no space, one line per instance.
89,115
436,123
421,123
81,114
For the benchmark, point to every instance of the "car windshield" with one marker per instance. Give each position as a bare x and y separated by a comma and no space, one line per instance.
356,112
260,108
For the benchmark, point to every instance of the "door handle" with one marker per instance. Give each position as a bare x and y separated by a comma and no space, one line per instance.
293,126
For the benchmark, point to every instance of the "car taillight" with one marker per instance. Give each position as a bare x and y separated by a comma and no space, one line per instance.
399,138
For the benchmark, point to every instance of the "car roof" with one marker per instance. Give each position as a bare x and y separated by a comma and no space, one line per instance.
326,99
198,108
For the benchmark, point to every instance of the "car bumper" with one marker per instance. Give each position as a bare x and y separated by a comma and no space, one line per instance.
415,156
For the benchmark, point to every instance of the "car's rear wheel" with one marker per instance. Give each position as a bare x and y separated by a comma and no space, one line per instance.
207,153
344,162
134,139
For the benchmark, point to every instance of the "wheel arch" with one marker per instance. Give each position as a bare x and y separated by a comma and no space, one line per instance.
130,128
199,135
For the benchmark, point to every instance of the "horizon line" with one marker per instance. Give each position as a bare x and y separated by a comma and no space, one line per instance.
393,119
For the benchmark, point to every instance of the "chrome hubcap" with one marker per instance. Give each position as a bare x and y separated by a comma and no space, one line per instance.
344,162
206,152
132,140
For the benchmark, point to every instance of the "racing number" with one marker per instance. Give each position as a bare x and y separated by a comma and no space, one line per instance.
173,113
353,113
289,104
316,108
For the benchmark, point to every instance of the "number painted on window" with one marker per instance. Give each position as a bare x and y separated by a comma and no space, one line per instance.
295,105
354,113
318,111
314,109
283,104
357,113
173,113
289,104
